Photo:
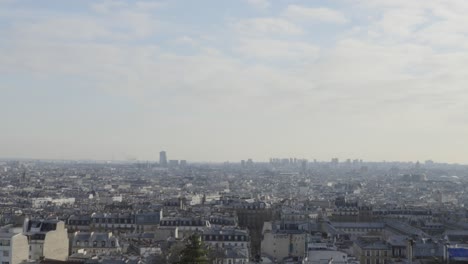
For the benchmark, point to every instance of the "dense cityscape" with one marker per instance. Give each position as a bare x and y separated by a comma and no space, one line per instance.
287,210
233,131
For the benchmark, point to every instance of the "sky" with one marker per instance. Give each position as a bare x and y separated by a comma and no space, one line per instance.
219,80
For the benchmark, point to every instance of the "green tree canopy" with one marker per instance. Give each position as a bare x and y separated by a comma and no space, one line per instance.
194,251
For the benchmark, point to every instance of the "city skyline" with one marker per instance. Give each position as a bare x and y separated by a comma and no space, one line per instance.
164,160
231,80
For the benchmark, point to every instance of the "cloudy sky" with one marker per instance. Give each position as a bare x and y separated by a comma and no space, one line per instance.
217,80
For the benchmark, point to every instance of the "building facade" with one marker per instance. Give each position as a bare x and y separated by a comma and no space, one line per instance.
48,239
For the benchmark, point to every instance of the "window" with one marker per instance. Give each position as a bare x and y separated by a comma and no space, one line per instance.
368,253
5,262
77,242
367,261
86,243
103,243
94,243
6,253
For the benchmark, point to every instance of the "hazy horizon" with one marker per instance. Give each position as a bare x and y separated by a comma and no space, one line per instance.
156,160
217,80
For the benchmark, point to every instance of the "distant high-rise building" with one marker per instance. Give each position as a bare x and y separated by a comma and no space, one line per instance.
183,163
335,161
162,158
304,166
174,163
429,163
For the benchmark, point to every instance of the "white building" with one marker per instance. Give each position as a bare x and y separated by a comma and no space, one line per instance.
95,243
14,247
47,239
226,237
234,242
321,253
185,225
280,244
62,201
41,202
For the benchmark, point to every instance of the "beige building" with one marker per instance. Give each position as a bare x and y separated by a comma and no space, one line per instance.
13,245
48,239
372,250
280,244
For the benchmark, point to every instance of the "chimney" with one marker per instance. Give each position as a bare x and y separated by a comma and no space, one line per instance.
25,225
410,250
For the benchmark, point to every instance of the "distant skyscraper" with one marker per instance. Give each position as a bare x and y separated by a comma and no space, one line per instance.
335,161
174,163
162,158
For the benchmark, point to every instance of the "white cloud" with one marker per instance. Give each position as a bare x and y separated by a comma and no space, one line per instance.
186,40
266,26
408,79
272,49
107,6
71,28
439,24
401,23
320,14
119,25
260,4
148,5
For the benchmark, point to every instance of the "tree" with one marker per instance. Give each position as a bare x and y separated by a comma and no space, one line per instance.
174,252
194,251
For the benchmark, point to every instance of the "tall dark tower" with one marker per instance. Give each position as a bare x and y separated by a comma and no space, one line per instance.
162,159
